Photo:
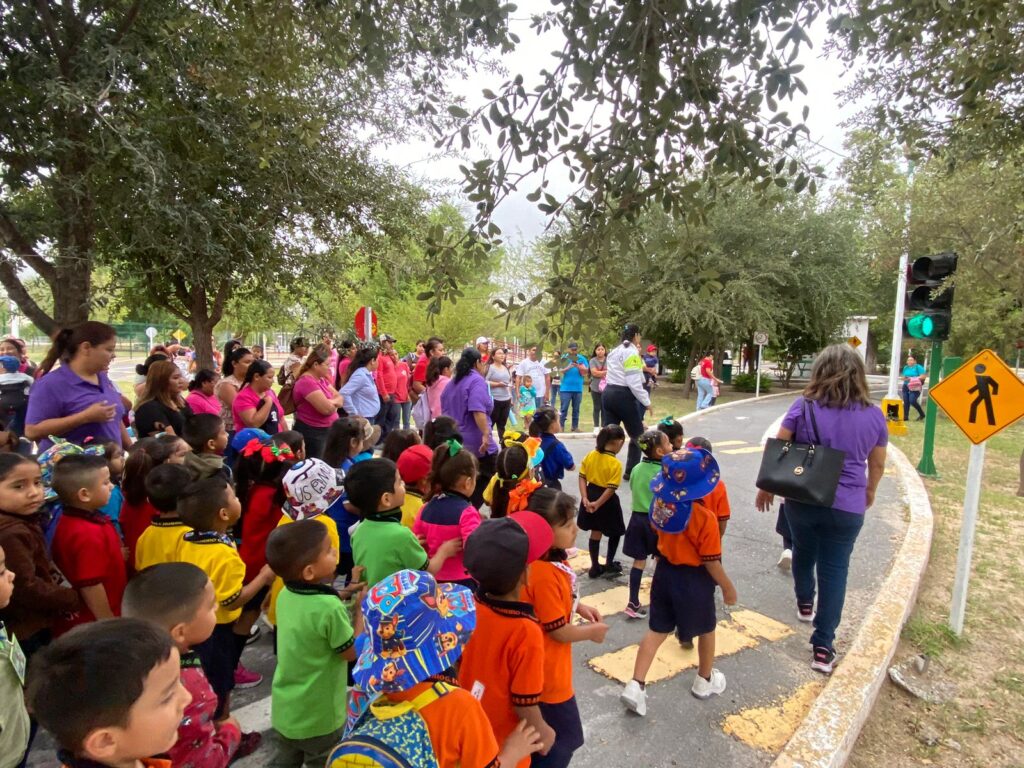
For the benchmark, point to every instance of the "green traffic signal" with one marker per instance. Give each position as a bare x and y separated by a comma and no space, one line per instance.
929,326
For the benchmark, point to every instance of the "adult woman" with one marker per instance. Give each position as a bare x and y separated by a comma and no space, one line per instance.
823,538
202,395
625,399
706,383
467,399
77,401
16,348
298,352
913,382
160,406
344,360
142,369
360,390
256,405
499,379
598,371
316,400
226,365
236,363
403,374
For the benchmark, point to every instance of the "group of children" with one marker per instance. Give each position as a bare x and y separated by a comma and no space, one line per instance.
400,610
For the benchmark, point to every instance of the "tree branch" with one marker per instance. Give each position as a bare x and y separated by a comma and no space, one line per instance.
13,239
219,301
20,296
126,22
51,32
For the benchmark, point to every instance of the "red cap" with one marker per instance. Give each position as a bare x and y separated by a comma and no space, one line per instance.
652,347
538,531
414,464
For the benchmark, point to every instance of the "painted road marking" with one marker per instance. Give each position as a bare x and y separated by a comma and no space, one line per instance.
748,449
742,630
718,443
769,728
611,601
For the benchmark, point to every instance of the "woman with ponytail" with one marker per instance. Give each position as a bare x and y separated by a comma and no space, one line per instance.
625,400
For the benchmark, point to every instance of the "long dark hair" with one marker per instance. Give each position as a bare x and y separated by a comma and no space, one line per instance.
143,456
67,341
143,368
364,354
256,368
232,357
339,439
511,466
467,362
435,366
203,375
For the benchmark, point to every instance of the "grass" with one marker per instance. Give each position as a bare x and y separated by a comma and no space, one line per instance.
671,400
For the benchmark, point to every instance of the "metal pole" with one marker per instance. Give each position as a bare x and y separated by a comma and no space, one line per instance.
757,374
963,558
368,324
926,466
901,290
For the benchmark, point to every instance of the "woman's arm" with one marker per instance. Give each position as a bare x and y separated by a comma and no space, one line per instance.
598,373
254,417
320,403
481,423
227,393
95,413
876,468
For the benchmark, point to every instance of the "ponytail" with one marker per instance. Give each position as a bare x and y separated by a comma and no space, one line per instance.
512,466
451,461
66,342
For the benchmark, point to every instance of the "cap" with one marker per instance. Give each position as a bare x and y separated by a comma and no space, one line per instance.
310,488
10,363
652,347
501,548
371,434
686,476
386,337
417,628
482,340
243,436
414,463
573,345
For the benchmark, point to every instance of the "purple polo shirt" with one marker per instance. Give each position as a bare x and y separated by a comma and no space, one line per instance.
857,430
460,400
62,392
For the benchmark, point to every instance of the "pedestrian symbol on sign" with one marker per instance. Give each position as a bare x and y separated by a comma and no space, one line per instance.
982,387
982,396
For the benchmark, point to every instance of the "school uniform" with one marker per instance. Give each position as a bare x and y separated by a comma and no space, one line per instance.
718,502
161,542
556,460
601,470
641,539
277,585
383,546
447,516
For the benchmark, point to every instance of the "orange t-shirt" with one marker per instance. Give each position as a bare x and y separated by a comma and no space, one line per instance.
718,501
549,591
698,543
502,666
458,728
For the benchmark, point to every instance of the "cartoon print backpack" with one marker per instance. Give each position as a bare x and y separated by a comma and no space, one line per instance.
390,735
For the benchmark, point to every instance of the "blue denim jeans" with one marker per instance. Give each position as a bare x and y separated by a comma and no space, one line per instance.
576,400
823,540
705,393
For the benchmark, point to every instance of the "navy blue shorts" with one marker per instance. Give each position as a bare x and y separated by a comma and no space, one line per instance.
564,720
218,656
641,539
682,599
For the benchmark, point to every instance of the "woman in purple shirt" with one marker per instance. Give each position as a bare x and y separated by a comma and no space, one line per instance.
467,399
823,537
77,400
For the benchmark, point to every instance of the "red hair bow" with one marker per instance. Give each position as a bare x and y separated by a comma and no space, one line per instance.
268,451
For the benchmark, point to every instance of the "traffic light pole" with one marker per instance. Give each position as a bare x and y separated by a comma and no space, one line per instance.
926,466
901,290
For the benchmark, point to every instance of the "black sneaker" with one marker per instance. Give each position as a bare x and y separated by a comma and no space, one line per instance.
595,571
614,565
824,660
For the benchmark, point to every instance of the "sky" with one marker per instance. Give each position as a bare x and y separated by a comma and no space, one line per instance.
518,218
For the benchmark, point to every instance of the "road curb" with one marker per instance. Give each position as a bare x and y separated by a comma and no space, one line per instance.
826,736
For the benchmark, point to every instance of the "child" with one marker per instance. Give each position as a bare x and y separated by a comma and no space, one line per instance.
718,500
179,598
14,723
600,509
208,439
503,666
161,541
114,455
557,458
40,600
674,430
381,544
683,590
449,515
439,374
414,467
439,431
86,546
15,386
513,481
527,400
641,539
143,456
210,508
431,621
349,440
551,590
315,641
127,709
398,441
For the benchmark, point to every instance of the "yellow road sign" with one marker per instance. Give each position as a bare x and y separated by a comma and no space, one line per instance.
179,335
854,342
982,396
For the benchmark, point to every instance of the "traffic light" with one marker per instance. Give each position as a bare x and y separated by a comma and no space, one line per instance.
927,296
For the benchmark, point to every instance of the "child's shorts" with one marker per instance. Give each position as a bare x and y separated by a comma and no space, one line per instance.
641,539
218,656
682,599
257,600
564,719
607,519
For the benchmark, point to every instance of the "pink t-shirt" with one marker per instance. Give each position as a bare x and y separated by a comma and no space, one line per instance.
246,399
434,395
304,411
343,365
200,403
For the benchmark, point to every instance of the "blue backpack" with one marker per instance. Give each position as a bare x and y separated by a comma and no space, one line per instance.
391,734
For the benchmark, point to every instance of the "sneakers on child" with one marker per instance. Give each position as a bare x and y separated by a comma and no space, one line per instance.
634,698
595,571
245,678
250,743
254,634
635,611
805,611
785,560
705,689
823,660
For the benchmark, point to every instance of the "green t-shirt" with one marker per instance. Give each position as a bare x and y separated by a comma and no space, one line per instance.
308,696
384,547
640,484
14,725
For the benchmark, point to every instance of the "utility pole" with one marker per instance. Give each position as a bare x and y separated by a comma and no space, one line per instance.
901,289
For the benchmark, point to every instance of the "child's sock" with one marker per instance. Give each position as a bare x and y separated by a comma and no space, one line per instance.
613,547
594,545
635,575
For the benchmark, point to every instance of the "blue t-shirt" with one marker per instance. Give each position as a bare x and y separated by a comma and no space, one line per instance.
337,511
557,458
112,508
914,370
572,379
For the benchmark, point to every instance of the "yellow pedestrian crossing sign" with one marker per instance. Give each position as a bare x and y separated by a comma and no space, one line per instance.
982,397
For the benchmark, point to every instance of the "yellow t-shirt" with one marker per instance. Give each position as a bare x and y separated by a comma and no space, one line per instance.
278,584
413,503
216,555
601,469
160,543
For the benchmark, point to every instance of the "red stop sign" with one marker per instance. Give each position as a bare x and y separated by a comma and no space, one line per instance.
361,323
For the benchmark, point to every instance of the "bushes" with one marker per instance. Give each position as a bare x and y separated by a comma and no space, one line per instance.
676,376
745,382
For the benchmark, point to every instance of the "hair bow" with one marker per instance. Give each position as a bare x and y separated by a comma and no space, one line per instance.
519,497
668,421
269,452
454,446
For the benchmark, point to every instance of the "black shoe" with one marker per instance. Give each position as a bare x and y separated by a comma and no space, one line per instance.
614,567
595,571
920,418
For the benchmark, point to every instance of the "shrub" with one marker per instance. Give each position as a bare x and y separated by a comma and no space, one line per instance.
745,382
677,376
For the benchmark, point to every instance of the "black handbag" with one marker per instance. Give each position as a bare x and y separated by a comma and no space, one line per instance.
803,472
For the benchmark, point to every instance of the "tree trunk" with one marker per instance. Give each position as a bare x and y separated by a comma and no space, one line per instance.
1020,487
202,341
72,288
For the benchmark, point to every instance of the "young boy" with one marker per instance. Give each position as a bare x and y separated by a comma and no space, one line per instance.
210,508
315,641
718,500
381,544
125,710
161,541
502,666
179,597
430,622
14,725
414,467
683,590
86,546
208,439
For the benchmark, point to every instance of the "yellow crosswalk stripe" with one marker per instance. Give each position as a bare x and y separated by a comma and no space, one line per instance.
721,443
612,601
748,449
769,728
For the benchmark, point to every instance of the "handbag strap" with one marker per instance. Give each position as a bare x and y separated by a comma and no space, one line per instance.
809,407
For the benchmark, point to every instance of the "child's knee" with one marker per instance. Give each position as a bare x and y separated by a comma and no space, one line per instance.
641,564
595,535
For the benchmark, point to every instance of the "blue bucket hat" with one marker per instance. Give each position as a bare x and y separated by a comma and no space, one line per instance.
686,476
416,627
243,436
49,458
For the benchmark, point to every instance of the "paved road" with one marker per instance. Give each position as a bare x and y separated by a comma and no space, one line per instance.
763,648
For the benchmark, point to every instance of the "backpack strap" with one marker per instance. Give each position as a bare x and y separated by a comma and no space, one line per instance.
383,709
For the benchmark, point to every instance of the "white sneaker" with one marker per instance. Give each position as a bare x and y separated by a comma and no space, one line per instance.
785,560
705,689
634,698
597,430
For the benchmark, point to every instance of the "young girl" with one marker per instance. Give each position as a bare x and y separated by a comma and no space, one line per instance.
513,480
600,509
673,430
397,441
449,514
136,511
527,400
557,458
350,440
114,455
439,431
551,590
439,373
641,539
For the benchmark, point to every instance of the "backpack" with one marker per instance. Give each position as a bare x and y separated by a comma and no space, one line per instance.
391,734
12,397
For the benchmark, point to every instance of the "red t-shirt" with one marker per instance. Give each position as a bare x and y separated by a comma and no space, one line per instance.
134,520
402,385
706,368
419,373
87,550
261,517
